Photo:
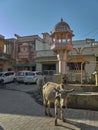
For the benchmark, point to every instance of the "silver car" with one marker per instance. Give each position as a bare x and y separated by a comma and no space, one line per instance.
7,76
29,76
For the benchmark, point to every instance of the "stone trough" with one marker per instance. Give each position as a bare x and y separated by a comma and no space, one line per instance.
84,97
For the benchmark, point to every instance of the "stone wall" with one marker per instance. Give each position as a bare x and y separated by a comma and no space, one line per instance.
85,100
84,97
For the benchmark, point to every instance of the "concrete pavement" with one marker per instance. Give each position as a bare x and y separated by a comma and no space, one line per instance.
19,111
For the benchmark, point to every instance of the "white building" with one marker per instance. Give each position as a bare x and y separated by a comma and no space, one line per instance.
83,57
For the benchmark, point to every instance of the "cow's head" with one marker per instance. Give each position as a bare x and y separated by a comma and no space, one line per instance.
61,96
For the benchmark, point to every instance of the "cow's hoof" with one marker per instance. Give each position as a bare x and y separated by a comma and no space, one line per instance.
55,123
46,114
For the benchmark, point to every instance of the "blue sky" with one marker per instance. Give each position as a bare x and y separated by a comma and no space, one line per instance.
33,17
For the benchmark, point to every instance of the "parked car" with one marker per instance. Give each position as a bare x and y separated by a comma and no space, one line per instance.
8,76
20,75
28,76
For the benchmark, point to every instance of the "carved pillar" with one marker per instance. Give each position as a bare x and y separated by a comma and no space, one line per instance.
62,61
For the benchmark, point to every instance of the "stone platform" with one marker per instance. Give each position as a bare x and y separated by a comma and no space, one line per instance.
84,97
83,100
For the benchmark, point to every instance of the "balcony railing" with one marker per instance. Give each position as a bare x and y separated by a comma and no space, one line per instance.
64,46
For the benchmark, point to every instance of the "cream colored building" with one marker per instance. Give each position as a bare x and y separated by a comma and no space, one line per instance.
81,61
83,57
45,58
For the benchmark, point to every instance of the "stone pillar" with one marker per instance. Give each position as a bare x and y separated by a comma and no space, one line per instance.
96,74
62,62
96,77
63,67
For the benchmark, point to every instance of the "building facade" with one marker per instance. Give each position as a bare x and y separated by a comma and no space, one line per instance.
45,58
25,51
34,53
83,59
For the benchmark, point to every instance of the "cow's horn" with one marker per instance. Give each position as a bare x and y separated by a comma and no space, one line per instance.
71,90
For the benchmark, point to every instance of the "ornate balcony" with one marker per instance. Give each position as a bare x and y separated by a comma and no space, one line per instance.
61,46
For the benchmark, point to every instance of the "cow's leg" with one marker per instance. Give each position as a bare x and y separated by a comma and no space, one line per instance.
49,113
45,106
56,114
62,114
46,110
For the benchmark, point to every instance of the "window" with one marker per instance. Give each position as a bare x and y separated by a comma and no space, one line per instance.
75,66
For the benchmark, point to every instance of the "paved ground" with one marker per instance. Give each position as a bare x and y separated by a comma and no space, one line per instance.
19,111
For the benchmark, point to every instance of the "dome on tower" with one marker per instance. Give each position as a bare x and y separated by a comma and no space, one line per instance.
61,27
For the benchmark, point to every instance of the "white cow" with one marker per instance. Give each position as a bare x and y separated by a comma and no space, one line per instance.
55,93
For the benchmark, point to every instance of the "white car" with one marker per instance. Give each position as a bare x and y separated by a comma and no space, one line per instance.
7,76
28,76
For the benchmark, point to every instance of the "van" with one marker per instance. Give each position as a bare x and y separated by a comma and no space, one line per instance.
20,75
8,76
26,76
